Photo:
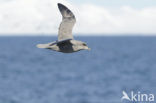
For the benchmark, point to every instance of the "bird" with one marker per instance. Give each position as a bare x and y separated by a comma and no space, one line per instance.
66,42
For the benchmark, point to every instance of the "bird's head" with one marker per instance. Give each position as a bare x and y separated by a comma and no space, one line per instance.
84,46
79,45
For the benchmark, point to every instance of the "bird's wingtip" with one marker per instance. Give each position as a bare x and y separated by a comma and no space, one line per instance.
41,45
60,5
38,46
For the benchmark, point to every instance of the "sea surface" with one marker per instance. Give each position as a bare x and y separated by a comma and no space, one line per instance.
114,65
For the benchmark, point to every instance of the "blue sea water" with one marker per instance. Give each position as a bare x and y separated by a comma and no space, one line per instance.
114,64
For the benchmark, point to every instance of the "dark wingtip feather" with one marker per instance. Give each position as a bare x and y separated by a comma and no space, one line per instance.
65,11
61,7
59,4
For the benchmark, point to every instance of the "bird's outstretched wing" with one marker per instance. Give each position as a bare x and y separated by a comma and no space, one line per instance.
67,24
59,42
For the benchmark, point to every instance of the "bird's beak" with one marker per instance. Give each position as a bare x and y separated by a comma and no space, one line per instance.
89,49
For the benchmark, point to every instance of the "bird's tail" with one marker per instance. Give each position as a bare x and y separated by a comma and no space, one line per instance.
42,45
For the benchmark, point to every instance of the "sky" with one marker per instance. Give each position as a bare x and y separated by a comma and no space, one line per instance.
118,3
103,17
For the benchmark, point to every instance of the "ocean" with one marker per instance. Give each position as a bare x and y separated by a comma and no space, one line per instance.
114,64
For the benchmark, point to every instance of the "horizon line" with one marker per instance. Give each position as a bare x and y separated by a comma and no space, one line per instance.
92,35
79,34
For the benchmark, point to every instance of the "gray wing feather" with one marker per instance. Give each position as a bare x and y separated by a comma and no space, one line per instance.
67,24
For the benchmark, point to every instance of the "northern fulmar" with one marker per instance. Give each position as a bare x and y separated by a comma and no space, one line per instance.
65,42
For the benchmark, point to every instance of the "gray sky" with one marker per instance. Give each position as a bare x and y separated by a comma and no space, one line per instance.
118,3
104,17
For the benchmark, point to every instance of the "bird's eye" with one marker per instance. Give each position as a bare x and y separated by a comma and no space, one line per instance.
84,44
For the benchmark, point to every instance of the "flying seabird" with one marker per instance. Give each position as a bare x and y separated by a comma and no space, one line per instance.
65,42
